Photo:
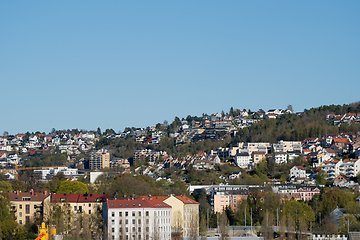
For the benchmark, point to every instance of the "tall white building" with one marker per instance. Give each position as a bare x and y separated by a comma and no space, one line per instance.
137,219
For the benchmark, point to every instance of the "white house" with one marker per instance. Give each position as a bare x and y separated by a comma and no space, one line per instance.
297,172
243,160
280,157
137,219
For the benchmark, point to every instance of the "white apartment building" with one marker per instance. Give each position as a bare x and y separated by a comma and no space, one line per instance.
254,147
137,219
48,173
243,160
332,168
286,146
350,167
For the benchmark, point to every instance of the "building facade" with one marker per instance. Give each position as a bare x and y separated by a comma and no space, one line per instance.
29,206
99,159
137,219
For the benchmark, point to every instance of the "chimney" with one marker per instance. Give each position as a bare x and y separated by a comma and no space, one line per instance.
17,192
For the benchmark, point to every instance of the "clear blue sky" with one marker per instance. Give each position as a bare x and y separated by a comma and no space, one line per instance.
113,64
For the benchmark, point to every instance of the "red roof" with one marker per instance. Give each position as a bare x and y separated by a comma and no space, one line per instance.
136,203
300,167
34,196
342,140
79,197
186,200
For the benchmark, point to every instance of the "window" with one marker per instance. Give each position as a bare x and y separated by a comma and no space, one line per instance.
127,229
126,214
89,204
139,229
120,214
139,221
126,221
147,229
133,229
113,214
80,208
147,213
89,211
27,209
75,208
133,221
113,230
20,206
133,213
20,214
20,222
147,221
120,221
113,221
27,219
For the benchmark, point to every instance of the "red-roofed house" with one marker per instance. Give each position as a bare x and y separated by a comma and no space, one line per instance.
81,203
30,206
307,194
137,219
185,215
297,172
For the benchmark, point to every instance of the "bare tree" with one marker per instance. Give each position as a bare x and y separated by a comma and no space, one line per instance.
75,230
224,226
203,228
177,231
290,228
194,226
86,233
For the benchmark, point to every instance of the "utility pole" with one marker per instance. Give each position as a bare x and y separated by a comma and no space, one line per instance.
207,221
251,219
245,217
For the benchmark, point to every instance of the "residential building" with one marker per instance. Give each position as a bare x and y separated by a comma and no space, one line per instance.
137,219
30,206
307,193
243,160
258,156
81,203
122,163
332,168
185,215
350,167
99,159
49,173
224,199
281,157
298,172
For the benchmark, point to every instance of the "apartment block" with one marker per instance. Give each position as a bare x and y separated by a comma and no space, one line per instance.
99,159
29,206
137,219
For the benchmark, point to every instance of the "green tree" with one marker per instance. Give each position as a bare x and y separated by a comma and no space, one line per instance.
5,186
72,187
321,177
